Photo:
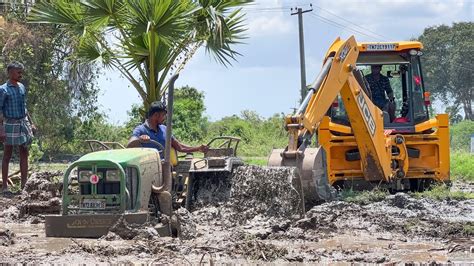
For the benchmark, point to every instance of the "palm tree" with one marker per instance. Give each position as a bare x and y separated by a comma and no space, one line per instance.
147,40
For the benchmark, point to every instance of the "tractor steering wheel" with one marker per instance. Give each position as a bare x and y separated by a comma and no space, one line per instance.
136,143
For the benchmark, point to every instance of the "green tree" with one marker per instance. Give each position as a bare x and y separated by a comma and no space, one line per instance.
96,128
448,57
461,135
453,112
147,40
259,135
58,92
189,122
134,118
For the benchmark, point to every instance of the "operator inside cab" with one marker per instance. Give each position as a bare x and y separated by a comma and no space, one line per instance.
382,93
153,129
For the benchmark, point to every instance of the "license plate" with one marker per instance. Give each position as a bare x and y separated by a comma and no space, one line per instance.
381,47
93,204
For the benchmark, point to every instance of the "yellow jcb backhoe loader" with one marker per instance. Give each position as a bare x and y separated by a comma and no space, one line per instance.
357,143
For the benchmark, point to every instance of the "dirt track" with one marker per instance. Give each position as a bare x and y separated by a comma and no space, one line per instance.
258,223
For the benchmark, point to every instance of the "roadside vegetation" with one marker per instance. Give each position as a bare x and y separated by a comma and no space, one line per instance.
462,166
443,192
462,161
363,197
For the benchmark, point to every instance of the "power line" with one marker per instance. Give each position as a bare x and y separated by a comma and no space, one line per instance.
266,11
351,27
351,23
335,24
285,8
271,8
344,27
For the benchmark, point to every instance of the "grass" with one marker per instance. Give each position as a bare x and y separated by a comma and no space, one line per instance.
468,229
443,192
462,166
363,197
260,161
39,167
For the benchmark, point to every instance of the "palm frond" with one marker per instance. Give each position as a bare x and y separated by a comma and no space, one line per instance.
61,12
220,30
168,18
90,51
103,13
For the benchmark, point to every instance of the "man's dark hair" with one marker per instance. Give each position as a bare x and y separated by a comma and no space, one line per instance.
15,65
156,107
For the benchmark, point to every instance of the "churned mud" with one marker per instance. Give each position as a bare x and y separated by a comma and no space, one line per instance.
259,220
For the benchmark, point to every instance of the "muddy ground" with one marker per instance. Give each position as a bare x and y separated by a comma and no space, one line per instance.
258,221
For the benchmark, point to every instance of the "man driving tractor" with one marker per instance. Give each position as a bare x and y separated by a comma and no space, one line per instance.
154,129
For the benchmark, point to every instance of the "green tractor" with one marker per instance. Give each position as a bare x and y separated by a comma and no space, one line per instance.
136,184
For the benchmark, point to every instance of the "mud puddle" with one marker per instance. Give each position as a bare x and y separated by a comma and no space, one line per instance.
260,222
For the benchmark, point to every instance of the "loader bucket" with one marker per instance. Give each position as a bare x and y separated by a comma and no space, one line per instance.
92,225
312,174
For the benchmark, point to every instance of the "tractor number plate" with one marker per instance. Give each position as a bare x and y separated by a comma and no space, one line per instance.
93,204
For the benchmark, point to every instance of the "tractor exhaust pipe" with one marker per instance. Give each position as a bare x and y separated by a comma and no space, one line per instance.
169,118
163,192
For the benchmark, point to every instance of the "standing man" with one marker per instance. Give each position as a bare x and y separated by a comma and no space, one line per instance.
379,86
154,129
15,129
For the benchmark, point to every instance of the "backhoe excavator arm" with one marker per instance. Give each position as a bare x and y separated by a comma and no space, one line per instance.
338,77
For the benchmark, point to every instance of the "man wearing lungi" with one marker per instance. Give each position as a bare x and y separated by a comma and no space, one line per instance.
15,129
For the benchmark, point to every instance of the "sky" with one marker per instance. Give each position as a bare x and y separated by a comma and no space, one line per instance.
266,78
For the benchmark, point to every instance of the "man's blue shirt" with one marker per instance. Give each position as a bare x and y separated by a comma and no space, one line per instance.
378,89
13,100
159,136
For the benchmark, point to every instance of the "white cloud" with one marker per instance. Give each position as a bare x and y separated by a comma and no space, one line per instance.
268,18
269,25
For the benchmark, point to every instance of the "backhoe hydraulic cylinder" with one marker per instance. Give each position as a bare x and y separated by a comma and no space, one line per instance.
315,86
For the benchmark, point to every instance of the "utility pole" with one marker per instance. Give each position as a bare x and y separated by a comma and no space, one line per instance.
299,11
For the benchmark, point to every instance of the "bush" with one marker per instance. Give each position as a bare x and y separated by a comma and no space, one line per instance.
461,135
363,197
35,153
442,192
462,166
259,135
96,128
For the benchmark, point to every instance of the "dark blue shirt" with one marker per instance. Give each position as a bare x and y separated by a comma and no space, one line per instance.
379,88
159,136
13,100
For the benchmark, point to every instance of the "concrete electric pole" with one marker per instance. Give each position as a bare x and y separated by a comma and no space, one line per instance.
300,12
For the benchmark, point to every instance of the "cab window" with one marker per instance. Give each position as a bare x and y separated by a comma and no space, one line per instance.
420,110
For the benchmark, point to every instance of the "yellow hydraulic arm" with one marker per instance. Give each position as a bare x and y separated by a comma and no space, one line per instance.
338,77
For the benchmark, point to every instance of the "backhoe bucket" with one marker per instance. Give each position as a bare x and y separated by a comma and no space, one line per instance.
312,174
